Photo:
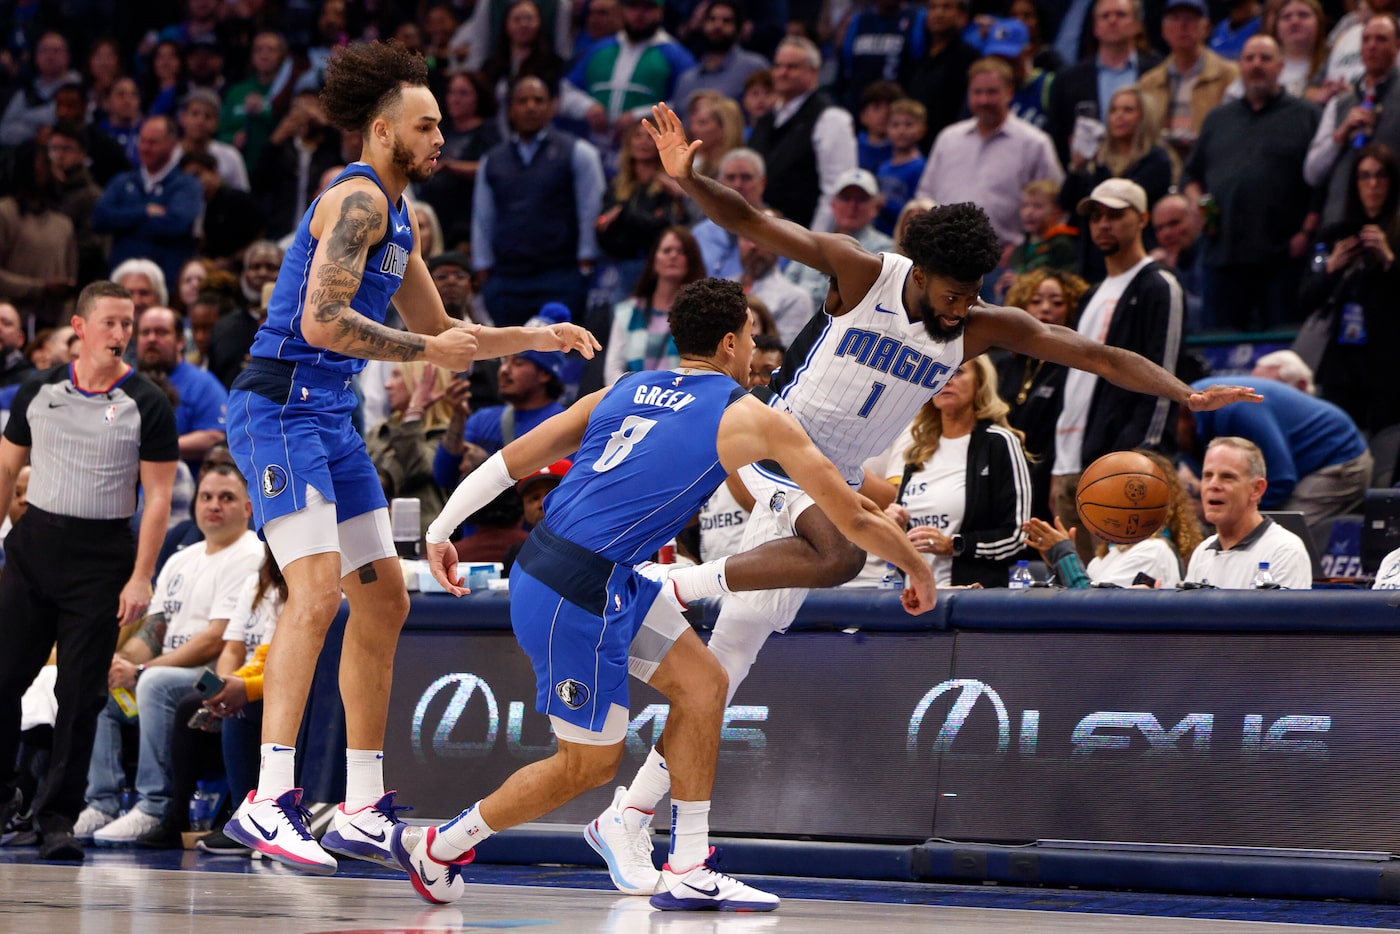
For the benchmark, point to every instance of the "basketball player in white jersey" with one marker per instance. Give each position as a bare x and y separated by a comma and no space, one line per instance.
895,330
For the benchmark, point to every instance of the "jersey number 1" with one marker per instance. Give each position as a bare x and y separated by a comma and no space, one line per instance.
634,428
870,400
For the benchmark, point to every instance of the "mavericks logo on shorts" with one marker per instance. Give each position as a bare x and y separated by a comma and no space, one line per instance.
274,480
573,693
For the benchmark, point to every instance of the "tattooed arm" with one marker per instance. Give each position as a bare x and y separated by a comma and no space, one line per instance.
349,220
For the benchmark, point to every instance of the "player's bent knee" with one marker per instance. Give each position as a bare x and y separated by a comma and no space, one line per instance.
588,766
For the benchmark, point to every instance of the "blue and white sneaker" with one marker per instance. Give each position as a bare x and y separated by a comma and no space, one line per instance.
364,834
276,828
704,888
624,842
438,882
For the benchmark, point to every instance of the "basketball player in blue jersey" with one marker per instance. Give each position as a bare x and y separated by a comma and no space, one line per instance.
650,450
894,331
317,498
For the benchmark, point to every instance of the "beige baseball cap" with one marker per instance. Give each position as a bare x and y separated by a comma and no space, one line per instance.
1116,194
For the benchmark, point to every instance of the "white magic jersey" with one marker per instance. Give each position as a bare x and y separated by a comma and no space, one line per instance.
856,381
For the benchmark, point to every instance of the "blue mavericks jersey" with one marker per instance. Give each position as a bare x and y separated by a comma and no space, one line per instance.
280,338
646,465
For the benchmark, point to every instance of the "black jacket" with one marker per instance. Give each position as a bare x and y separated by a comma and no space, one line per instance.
1080,82
1147,320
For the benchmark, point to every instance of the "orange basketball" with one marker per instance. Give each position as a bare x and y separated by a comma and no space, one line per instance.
1123,497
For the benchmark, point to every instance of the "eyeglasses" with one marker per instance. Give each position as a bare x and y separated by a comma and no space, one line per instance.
1372,177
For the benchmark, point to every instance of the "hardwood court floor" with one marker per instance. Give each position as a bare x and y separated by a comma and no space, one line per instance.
184,893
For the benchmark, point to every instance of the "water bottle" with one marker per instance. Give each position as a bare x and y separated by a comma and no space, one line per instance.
1362,137
202,804
892,580
1263,580
1020,576
1319,260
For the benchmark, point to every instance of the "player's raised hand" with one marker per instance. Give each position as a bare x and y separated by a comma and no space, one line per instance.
676,153
454,348
1217,397
442,561
568,337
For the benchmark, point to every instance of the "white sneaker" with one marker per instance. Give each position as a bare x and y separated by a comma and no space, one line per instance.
701,888
364,834
662,572
90,822
438,882
127,829
627,851
276,827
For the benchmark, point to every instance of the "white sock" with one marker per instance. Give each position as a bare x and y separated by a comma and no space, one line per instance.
364,777
690,834
651,783
700,581
278,772
460,834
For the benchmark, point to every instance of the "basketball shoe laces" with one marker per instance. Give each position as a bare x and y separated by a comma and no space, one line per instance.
296,815
640,844
387,809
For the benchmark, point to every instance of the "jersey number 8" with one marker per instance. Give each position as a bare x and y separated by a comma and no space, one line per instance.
634,429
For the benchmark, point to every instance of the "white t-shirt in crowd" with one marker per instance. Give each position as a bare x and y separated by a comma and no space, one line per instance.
251,624
1079,385
1235,569
195,587
722,522
1153,556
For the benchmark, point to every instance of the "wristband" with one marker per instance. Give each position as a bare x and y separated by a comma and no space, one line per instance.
481,486
140,670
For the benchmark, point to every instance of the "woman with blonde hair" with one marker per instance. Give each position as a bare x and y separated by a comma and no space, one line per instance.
1132,148
1161,557
718,122
962,479
404,444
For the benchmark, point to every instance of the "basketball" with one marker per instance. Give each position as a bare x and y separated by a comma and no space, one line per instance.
1123,497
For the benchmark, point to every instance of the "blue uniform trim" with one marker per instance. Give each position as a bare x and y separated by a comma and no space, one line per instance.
575,573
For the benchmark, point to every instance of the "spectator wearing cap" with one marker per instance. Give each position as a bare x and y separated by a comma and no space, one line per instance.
855,207
807,141
1010,40
1081,92
724,65
199,119
1138,307
532,490
1192,81
151,211
936,60
530,384
1249,158
204,63
989,158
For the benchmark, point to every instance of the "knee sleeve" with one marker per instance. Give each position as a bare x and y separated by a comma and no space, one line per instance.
739,635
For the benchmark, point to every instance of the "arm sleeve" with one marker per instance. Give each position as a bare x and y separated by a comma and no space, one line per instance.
481,486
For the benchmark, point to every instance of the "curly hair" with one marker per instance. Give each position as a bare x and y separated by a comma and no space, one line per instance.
704,312
365,78
952,240
1027,284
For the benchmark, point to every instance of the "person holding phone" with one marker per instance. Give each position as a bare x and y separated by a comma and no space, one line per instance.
196,593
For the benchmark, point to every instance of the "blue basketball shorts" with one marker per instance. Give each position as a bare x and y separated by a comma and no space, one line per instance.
289,428
585,623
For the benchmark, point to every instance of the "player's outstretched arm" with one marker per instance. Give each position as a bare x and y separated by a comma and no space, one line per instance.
1011,329
751,431
497,342
349,220
555,438
854,268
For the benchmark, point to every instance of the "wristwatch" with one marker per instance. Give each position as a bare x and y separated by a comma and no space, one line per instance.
140,670
958,545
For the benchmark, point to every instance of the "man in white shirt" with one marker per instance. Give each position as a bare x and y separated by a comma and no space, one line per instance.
196,593
1233,480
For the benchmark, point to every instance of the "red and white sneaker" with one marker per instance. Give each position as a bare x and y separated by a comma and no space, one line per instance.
438,882
277,828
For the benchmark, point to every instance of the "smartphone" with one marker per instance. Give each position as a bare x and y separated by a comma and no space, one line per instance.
208,684
1145,579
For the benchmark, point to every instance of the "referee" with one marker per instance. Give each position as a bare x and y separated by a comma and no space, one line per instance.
90,430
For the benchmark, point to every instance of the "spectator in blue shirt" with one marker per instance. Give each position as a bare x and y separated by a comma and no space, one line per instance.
199,415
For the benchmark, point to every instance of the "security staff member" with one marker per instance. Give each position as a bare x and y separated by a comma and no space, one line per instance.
89,430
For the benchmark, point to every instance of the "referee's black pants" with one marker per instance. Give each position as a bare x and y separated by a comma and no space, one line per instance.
62,581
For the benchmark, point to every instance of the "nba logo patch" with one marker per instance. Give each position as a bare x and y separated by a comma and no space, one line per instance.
274,480
573,693
305,394
677,380
110,415
777,502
